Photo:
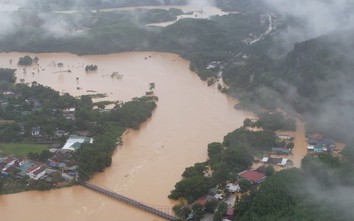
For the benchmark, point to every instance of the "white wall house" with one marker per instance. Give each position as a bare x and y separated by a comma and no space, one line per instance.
37,173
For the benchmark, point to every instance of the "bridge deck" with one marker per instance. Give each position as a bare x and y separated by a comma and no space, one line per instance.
127,200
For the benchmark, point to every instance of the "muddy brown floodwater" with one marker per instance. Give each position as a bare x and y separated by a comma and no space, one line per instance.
189,115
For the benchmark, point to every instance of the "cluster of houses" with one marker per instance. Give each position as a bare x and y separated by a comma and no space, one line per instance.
277,154
62,162
21,168
255,177
317,144
36,105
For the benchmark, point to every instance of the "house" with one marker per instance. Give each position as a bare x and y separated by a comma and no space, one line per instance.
316,149
285,137
60,133
69,113
325,142
253,176
2,159
8,161
19,162
233,187
7,171
7,93
219,196
69,110
74,142
204,200
275,161
36,131
36,172
280,151
67,177
25,167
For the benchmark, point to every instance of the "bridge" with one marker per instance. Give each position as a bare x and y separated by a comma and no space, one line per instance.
127,200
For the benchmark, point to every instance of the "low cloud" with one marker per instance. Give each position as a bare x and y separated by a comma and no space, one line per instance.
312,19
201,2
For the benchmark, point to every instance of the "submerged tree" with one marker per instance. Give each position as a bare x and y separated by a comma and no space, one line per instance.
152,86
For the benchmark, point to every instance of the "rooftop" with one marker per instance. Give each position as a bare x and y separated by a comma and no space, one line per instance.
74,142
252,175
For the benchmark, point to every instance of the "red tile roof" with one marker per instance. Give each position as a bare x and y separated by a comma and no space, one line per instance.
252,175
40,170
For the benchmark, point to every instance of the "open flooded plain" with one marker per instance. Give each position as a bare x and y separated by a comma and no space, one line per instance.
189,115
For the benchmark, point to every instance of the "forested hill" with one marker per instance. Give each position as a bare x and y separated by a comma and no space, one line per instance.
314,79
320,74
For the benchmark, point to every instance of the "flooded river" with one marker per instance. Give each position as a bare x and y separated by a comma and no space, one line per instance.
189,115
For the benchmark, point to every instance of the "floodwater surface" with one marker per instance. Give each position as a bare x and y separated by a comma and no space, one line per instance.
189,115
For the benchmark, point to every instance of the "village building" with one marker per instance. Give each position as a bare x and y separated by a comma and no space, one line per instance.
276,161
321,142
280,151
253,176
74,142
69,113
233,187
317,149
285,137
36,131
9,170
36,172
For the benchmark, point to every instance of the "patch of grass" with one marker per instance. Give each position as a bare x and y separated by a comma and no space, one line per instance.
21,149
6,121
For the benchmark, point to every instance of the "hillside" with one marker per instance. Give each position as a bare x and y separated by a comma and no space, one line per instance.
320,74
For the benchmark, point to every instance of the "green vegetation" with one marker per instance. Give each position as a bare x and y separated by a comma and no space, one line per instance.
103,104
7,78
91,67
35,106
272,121
226,160
107,132
7,75
39,108
27,60
221,209
314,79
94,96
21,149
